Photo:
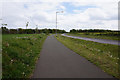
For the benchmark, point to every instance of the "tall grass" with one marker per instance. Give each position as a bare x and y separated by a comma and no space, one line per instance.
19,54
104,56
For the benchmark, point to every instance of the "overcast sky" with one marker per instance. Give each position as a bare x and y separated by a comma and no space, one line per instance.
78,14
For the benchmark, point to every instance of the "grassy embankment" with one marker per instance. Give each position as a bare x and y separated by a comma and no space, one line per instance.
104,56
20,53
102,35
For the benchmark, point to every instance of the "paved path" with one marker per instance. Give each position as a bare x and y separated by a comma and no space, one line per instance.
114,42
57,61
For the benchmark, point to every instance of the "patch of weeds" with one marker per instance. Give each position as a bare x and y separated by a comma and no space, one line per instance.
19,54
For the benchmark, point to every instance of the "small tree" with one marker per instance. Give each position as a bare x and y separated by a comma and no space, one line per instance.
26,26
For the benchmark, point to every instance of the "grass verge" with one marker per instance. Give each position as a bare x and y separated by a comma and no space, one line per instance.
19,54
104,56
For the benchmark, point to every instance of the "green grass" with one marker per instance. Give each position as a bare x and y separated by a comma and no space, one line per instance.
20,53
104,56
96,35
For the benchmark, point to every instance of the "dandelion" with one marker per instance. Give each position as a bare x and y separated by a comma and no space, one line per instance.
23,73
7,44
11,60
95,49
110,55
16,37
98,50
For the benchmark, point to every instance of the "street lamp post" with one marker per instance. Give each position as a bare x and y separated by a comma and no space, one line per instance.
56,20
56,23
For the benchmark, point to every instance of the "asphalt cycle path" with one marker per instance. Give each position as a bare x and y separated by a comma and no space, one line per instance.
57,61
114,42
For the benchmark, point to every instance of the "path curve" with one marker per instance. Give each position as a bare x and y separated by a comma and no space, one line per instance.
114,42
57,61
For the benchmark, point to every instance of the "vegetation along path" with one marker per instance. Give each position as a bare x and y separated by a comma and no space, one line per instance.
114,42
57,61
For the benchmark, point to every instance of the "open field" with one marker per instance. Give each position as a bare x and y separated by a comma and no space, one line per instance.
20,52
104,56
102,35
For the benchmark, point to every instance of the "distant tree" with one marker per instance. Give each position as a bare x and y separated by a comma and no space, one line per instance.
29,31
20,31
27,24
13,31
73,31
53,30
50,30
5,30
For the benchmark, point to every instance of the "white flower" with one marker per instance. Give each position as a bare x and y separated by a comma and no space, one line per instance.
110,55
98,50
23,73
108,52
7,44
11,60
